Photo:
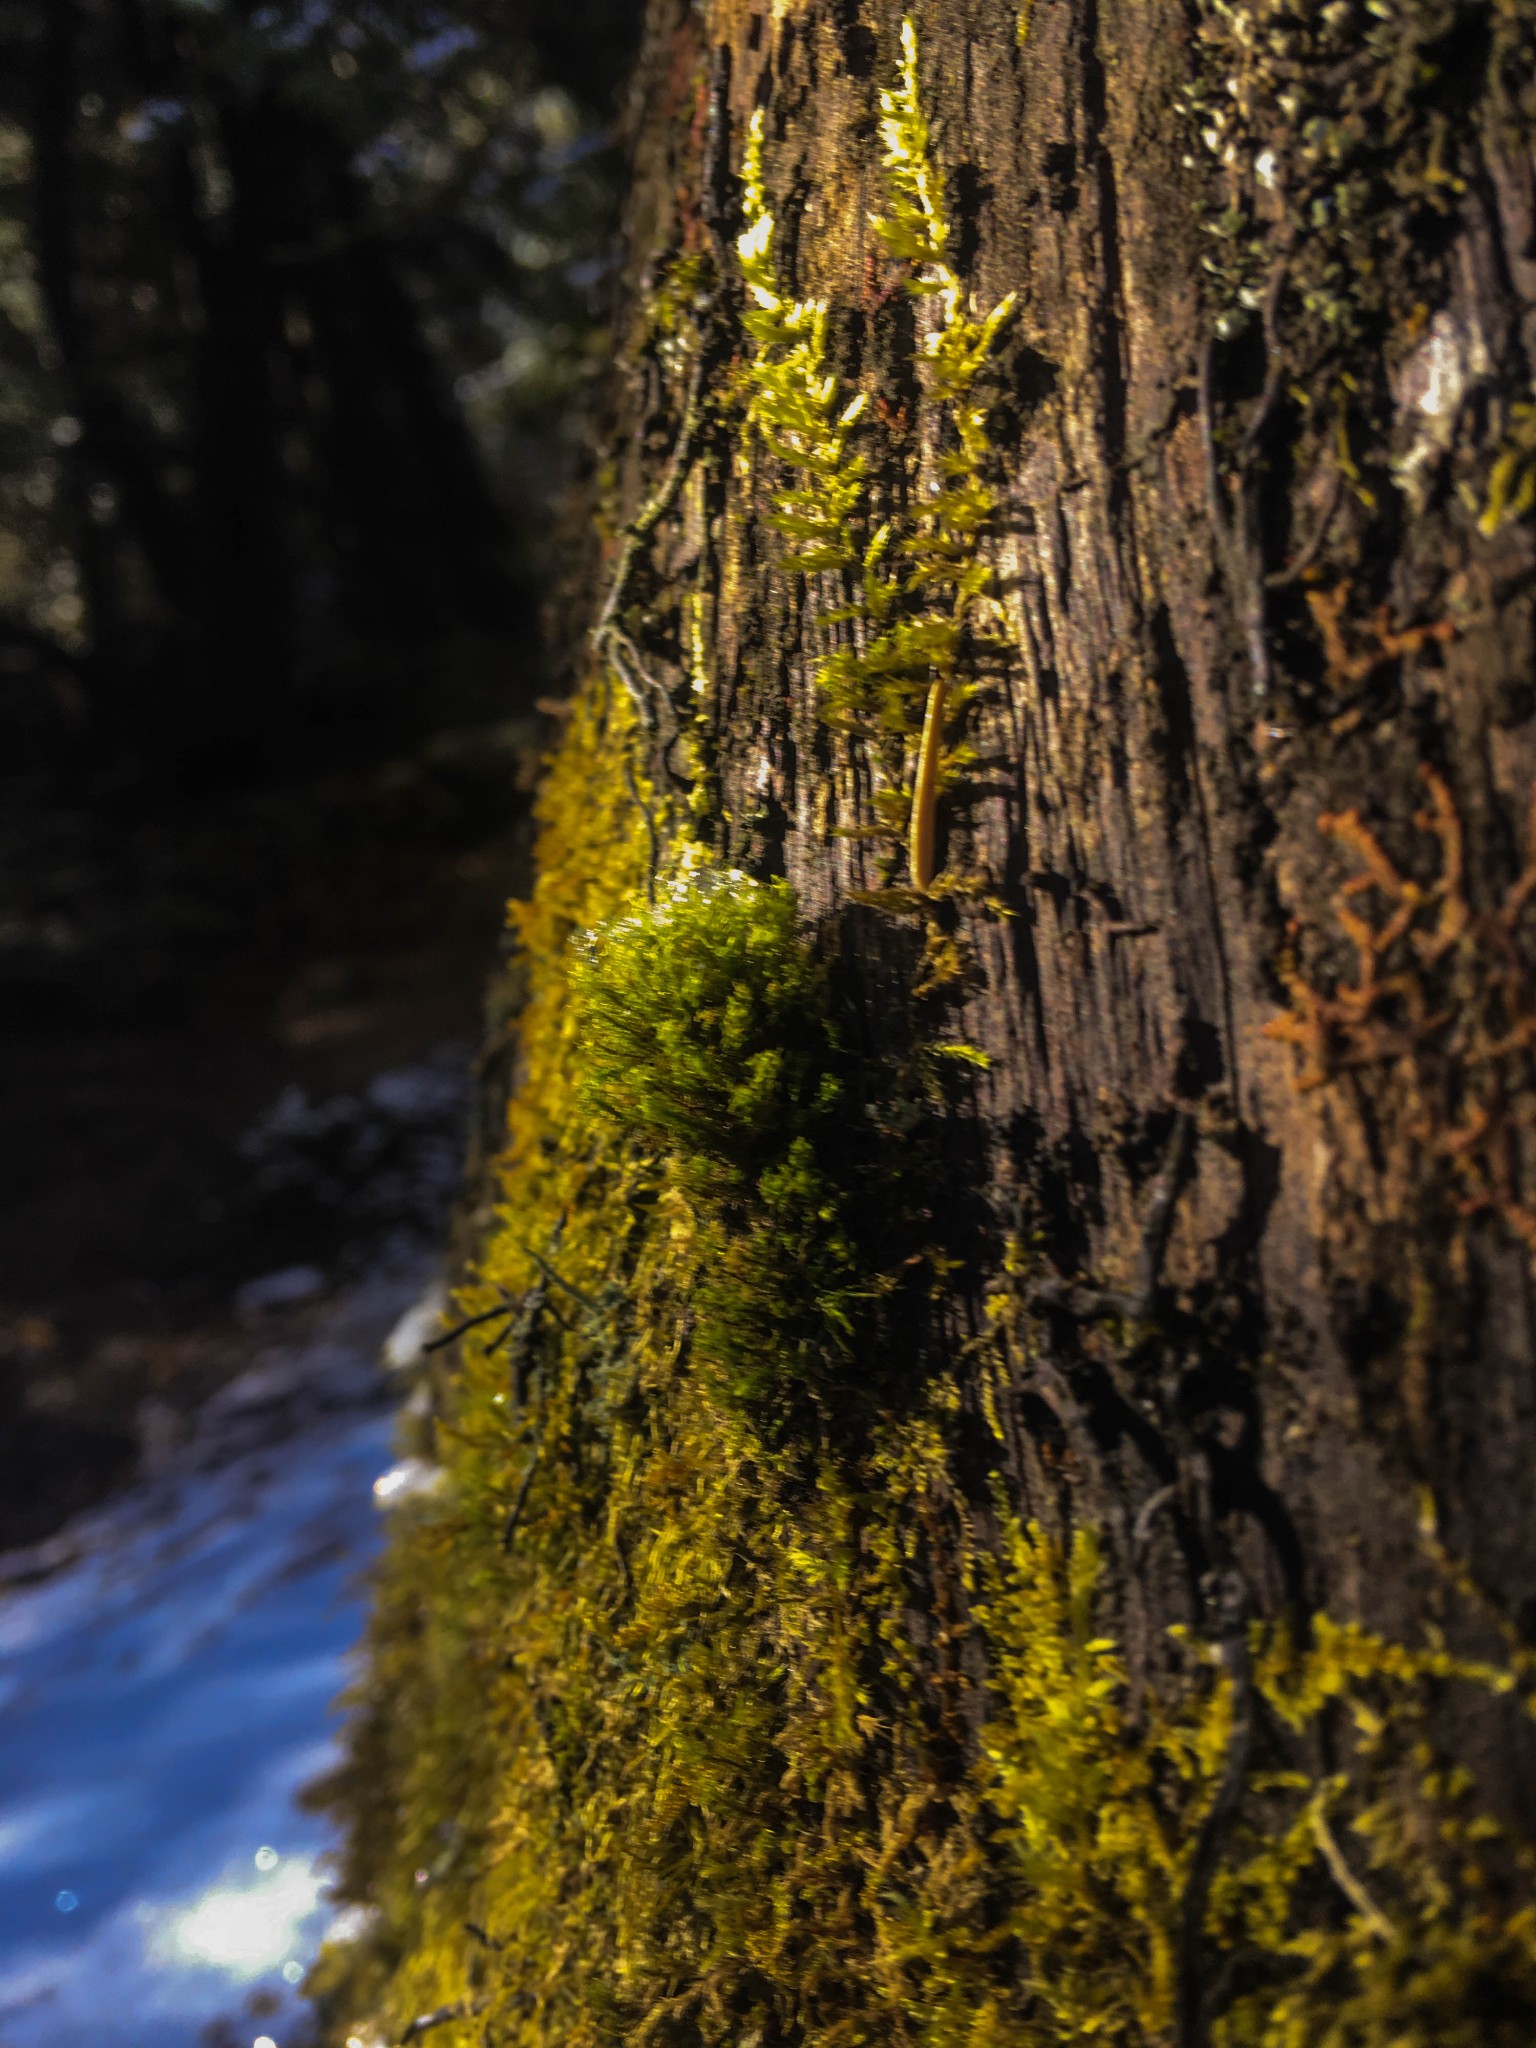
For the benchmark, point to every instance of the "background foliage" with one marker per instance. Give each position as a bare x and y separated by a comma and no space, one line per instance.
286,294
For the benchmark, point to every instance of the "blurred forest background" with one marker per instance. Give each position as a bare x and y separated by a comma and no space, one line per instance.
297,301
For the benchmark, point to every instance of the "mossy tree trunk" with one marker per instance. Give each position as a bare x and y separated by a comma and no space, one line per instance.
1224,1260
1243,429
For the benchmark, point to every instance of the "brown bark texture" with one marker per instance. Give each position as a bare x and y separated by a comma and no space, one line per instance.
1259,646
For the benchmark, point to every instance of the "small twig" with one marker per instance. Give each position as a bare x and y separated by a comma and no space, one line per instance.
1151,1508
1234,545
1346,1879
1082,1304
489,1315
624,659
1275,366
520,1339
1158,1222
925,787
570,1287
509,1529
439,2017
609,640
1282,579
661,501
653,836
1041,1376
1229,1601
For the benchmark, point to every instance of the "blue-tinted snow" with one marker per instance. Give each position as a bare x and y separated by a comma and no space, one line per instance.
167,1668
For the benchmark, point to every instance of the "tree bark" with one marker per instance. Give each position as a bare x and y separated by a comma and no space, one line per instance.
1171,726
1232,898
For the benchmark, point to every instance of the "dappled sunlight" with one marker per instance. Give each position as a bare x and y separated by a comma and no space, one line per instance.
242,1927
169,1693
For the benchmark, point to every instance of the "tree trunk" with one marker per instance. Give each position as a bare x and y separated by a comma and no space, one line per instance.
1072,1576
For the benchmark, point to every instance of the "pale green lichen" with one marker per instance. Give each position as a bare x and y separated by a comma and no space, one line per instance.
1333,152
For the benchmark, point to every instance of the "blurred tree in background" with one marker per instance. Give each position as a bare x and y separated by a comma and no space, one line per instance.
295,300
290,296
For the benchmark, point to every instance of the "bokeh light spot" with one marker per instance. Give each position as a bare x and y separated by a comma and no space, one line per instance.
241,1929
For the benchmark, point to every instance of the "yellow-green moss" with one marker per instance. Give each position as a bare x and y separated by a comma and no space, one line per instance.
792,395
1512,479
913,601
676,1769
710,1057
689,1761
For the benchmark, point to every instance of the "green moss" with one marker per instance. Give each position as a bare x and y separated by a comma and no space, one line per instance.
913,608
705,1027
689,1763
1512,479
793,397
710,1052
925,581
1431,1940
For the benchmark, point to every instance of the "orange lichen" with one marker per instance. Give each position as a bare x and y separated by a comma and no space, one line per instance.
1444,995
1348,666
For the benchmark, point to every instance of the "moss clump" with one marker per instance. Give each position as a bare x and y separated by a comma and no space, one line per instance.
710,1052
1095,1820
711,1795
706,1030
